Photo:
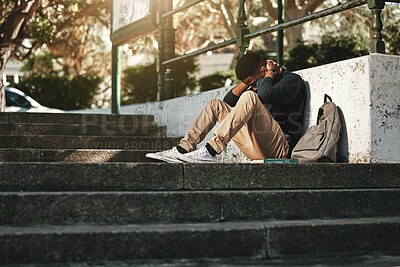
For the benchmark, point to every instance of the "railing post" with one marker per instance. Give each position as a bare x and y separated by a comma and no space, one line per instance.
116,79
161,51
169,52
376,44
280,34
243,43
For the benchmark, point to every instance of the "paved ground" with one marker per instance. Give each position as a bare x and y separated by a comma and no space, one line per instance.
370,261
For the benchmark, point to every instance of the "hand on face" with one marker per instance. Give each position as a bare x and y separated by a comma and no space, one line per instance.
273,65
264,71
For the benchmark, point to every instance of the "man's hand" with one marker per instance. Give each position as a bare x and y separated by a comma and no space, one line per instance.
272,68
272,65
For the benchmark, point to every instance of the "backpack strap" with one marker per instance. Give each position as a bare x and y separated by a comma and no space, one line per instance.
321,111
326,98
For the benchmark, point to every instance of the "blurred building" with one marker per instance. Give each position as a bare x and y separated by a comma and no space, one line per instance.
12,72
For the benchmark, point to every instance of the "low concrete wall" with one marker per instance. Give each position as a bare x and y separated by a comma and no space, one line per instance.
367,90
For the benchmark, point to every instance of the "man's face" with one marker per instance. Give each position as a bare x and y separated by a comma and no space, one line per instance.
252,80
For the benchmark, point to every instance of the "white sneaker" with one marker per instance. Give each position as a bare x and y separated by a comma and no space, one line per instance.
200,155
169,156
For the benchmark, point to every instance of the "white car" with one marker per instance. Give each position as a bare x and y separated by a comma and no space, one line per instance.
18,101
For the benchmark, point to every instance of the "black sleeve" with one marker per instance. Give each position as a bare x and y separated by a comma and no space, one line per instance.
231,99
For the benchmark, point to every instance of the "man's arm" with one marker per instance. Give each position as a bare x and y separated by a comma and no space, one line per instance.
233,95
283,92
239,89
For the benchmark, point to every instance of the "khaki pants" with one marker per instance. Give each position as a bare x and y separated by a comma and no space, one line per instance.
249,124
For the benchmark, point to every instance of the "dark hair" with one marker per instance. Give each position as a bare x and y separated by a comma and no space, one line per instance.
248,65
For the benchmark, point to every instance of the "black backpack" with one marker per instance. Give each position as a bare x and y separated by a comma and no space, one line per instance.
320,142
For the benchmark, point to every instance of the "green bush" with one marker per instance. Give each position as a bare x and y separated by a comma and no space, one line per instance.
391,36
216,80
330,50
65,93
139,83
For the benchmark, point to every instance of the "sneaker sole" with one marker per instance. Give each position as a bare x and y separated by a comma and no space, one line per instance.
189,160
165,159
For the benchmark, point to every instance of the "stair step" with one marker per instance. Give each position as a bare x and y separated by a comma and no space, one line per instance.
21,208
88,142
163,176
314,238
73,155
342,260
71,118
287,176
77,129
78,188
82,176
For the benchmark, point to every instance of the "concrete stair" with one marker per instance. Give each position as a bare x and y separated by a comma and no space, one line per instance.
65,203
79,137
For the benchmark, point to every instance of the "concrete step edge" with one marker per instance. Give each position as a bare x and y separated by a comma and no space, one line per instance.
74,155
194,206
18,117
279,239
179,227
7,130
88,142
38,176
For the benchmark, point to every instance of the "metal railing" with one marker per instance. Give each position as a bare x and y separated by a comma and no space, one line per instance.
167,38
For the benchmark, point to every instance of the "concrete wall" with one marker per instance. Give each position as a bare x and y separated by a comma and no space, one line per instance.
366,89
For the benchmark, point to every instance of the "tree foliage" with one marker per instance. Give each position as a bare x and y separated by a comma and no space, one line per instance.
139,83
67,93
69,31
215,21
217,80
14,16
391,32
331,49
293,9
66,28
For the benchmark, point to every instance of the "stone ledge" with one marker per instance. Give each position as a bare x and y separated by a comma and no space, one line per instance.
162,241
87,142
74,155
162,176
71,118
32,129
63,208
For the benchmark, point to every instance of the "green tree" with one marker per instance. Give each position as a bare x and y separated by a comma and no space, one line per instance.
139,83
63,92
331,49
27,25
216,80
391,33
14,16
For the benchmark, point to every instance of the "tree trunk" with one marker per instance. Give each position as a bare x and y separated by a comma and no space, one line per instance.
5,53
293,9
10,35
2,94
294,34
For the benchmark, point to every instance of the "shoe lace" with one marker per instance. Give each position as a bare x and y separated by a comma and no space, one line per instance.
199,153
169,152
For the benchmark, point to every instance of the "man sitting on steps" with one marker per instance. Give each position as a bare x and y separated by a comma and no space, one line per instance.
259,132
